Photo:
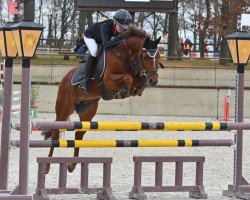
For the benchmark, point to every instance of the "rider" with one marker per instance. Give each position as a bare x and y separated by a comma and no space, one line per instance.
101,33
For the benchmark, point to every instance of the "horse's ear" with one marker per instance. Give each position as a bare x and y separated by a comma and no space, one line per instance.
157,41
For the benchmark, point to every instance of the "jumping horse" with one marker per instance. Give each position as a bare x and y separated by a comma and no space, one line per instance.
131,65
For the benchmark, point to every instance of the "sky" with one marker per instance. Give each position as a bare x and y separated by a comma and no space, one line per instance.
245,20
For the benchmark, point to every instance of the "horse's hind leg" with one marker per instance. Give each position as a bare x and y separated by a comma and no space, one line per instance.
86,113
55,136
62,114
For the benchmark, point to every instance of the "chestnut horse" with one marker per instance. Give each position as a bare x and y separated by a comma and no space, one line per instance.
130,66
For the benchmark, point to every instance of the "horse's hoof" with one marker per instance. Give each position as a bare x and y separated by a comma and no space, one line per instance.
134,91
125,93
46,134
71,167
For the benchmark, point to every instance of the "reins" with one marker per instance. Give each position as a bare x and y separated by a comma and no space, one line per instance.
138,69
132,61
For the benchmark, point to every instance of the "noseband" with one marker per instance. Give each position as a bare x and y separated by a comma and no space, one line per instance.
136,65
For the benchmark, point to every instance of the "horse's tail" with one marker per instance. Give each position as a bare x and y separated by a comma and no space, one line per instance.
47,134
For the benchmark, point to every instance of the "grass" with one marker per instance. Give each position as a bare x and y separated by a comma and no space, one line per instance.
55,59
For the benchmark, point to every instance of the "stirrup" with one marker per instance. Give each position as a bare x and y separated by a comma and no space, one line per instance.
84,85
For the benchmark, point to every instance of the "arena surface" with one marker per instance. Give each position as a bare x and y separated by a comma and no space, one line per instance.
218,169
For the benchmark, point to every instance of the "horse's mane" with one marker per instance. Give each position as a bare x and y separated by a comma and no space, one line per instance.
133,31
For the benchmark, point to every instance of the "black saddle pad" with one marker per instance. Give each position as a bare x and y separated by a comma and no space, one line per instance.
79,74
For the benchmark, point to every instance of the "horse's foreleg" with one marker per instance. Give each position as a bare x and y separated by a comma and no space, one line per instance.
138,90
121,83
87,112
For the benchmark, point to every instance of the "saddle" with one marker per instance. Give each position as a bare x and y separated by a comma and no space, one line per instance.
97,75
79,74
99,70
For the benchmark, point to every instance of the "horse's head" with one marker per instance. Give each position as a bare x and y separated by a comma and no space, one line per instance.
150,60
145,59
140,58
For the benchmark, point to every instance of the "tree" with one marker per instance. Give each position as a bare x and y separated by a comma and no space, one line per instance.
81,22
190,19
203,26
29,10
230,10
224,51
50,30
173,34
67,13
212,19
40,11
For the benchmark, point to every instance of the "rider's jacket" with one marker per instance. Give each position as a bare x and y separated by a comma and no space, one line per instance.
186,46
101,32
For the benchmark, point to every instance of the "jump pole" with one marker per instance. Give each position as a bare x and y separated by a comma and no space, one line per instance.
135,126
124,143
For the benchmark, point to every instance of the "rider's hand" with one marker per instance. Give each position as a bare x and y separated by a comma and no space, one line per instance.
113,42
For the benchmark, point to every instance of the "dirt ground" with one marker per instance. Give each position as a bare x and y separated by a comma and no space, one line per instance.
218,172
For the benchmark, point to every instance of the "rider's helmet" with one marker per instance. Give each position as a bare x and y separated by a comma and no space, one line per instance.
122,18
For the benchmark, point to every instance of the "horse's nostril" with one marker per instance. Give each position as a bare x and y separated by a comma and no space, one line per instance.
153,82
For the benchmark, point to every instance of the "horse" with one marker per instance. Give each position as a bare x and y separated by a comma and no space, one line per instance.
131,65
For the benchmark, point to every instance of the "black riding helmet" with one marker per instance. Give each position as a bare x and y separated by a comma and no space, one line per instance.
122,18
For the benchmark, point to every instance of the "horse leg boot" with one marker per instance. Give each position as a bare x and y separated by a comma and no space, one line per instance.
89,67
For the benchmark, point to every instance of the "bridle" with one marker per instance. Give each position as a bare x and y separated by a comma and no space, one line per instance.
148,72
137,64
132,60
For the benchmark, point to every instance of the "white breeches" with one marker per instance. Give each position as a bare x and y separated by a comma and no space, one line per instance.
92,46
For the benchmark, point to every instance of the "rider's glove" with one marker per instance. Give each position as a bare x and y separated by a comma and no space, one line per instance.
113,42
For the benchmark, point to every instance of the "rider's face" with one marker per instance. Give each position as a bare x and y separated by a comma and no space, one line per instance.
119,29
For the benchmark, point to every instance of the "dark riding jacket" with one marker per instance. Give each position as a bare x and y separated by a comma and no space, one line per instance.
101,32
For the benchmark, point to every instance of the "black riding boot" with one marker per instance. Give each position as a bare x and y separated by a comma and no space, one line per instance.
89,68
